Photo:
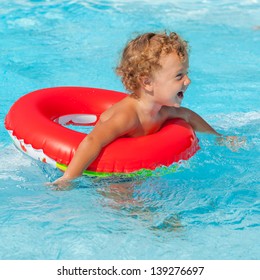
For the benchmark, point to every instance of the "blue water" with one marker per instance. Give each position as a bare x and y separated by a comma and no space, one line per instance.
207,210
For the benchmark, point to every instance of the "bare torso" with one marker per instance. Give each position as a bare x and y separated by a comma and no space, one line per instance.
143,123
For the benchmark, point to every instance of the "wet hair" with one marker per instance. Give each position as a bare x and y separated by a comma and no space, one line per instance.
141,56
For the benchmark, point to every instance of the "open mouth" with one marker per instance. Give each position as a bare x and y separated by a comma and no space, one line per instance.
180,94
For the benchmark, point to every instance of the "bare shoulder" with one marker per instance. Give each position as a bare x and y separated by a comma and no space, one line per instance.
174,112
122,113
119,120
122,107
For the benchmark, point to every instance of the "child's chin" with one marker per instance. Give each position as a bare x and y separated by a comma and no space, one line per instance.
176,105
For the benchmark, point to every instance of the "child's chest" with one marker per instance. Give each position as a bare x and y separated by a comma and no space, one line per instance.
148,125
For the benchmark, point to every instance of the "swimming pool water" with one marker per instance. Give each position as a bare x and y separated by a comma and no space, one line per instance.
209,209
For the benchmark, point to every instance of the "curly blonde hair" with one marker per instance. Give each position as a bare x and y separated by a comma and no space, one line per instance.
141,56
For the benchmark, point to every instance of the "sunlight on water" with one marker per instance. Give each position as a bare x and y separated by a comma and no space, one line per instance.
206,209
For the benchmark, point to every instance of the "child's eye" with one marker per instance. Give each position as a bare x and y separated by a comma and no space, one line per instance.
179,77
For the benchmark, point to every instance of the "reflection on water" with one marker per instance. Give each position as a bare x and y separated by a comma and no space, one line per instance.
208,209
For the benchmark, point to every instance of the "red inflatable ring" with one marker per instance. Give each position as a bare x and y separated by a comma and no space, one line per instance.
36,123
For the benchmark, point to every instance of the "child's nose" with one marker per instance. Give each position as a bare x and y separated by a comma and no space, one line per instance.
187,81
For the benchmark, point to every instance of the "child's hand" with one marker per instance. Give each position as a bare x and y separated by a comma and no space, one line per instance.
61,184
234,143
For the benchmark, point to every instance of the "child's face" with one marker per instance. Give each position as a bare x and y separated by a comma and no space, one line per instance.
171,81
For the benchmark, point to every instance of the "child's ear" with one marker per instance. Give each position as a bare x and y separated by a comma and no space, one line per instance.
146,83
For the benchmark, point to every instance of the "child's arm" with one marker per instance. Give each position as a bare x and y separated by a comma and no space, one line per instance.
90,147
200,125
196,121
